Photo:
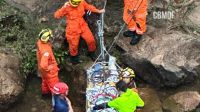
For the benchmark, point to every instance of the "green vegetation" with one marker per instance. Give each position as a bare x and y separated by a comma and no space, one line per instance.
1,2
18,36
15,38
60,55
19,33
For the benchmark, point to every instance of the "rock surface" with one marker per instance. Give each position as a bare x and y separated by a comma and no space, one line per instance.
194,19
29,4
182,102
76,79
164,59
11,85
151,99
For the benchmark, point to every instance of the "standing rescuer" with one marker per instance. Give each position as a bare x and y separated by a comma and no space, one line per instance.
135,12
47,64
74,11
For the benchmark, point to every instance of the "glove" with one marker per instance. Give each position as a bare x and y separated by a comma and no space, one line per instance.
101,106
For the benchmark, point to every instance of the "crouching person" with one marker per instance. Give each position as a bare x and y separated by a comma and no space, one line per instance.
60,102
128,76
128,101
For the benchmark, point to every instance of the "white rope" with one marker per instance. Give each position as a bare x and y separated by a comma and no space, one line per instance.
116,37
100,24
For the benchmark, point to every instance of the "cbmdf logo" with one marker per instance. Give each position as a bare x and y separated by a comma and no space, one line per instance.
164,14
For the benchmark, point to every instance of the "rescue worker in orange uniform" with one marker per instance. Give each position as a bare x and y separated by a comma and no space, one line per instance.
135,12
47,65
74,11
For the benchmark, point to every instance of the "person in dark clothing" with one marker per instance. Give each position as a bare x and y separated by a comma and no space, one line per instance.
60,101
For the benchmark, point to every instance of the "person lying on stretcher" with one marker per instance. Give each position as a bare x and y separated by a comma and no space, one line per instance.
128,101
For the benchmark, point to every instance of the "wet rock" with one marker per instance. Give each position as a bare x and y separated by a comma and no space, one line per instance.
156,4
151,99
43,19
29,4
77,109
182,102
164,59
194,19
77,81
58,38
33,109
11,85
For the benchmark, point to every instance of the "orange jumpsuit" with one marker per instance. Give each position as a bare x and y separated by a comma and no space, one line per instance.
47,66
76,26
136,20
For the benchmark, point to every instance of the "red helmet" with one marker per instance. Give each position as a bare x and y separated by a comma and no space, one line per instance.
60,88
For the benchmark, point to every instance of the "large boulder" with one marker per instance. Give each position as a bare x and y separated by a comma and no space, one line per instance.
11,83
182,102
164,59
151,100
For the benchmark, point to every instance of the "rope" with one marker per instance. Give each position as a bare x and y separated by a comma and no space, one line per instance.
132,14
102,16
103,50
100,24
116,37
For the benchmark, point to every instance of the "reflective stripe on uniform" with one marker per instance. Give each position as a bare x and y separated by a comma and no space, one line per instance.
141,15
46,54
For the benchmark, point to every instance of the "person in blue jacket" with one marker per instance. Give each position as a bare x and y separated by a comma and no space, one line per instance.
60,102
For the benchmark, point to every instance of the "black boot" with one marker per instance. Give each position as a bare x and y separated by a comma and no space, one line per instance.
74,60
92,55
135,39
129,33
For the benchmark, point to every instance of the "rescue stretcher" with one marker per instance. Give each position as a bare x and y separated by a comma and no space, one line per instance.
103,74
102,77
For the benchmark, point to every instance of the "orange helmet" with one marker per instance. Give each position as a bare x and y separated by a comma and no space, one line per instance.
60,88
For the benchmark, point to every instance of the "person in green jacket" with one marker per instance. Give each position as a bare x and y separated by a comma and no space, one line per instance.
128,101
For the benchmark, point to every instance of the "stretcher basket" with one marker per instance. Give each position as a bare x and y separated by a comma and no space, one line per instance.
101,79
